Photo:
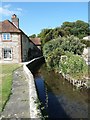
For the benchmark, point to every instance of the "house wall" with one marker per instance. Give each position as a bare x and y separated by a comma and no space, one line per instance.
0,48
29,49
14,44
25,47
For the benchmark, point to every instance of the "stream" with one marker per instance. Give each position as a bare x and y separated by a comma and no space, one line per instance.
59,97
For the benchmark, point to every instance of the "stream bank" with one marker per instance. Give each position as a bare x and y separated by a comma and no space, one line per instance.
64,100
61,100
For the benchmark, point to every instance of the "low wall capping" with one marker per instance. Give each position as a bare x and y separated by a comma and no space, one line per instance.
33,97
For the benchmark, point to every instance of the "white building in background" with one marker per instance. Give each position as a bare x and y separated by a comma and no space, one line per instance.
87,38
86,52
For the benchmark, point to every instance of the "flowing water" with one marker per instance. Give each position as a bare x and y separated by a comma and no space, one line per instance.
59,97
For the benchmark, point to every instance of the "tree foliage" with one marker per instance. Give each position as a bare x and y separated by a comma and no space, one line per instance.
53,58
71,47
49,34
78,28
71,44
32,36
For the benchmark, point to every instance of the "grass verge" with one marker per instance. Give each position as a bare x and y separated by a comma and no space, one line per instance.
6,75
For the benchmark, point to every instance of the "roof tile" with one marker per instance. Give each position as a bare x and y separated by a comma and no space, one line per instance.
36,41
7,26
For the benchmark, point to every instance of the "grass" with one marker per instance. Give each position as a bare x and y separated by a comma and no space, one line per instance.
6,75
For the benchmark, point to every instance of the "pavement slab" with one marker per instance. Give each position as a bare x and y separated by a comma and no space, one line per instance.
18,104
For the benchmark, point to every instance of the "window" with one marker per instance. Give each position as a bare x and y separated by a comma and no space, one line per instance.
6,36
7,53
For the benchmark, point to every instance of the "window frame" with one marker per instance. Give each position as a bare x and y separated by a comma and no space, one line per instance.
8,50
6,36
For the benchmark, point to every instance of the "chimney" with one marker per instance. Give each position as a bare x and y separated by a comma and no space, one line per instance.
15,20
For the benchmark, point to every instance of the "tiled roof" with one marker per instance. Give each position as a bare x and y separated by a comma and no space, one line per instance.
7,26
36,41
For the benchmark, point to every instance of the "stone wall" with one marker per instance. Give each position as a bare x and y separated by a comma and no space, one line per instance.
86,55
26,46
14,44
29,49
78,83
0,48
22,49
34,111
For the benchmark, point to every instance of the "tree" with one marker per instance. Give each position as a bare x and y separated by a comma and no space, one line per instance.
71,48
72,44
69,43
32,36
45,36
79,29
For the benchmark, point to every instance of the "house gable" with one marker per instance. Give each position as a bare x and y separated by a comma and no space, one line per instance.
8,27
15,45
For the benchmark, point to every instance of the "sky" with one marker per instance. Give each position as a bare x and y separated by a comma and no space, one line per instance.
35,16
45,0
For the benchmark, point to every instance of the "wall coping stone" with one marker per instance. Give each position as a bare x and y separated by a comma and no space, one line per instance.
33,97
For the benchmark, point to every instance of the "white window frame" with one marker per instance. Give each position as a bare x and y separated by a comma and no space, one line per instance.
7,53
6,36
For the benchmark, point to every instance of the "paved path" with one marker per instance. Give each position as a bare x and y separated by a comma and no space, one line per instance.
18,104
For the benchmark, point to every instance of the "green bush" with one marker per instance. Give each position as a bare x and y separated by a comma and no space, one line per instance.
71,44
51,46
53,58
74,66
72,48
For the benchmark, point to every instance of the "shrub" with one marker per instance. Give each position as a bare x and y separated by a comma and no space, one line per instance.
53,58
72,48
74,66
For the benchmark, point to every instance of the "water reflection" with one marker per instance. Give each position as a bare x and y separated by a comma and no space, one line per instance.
63,100
41,89
54,109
